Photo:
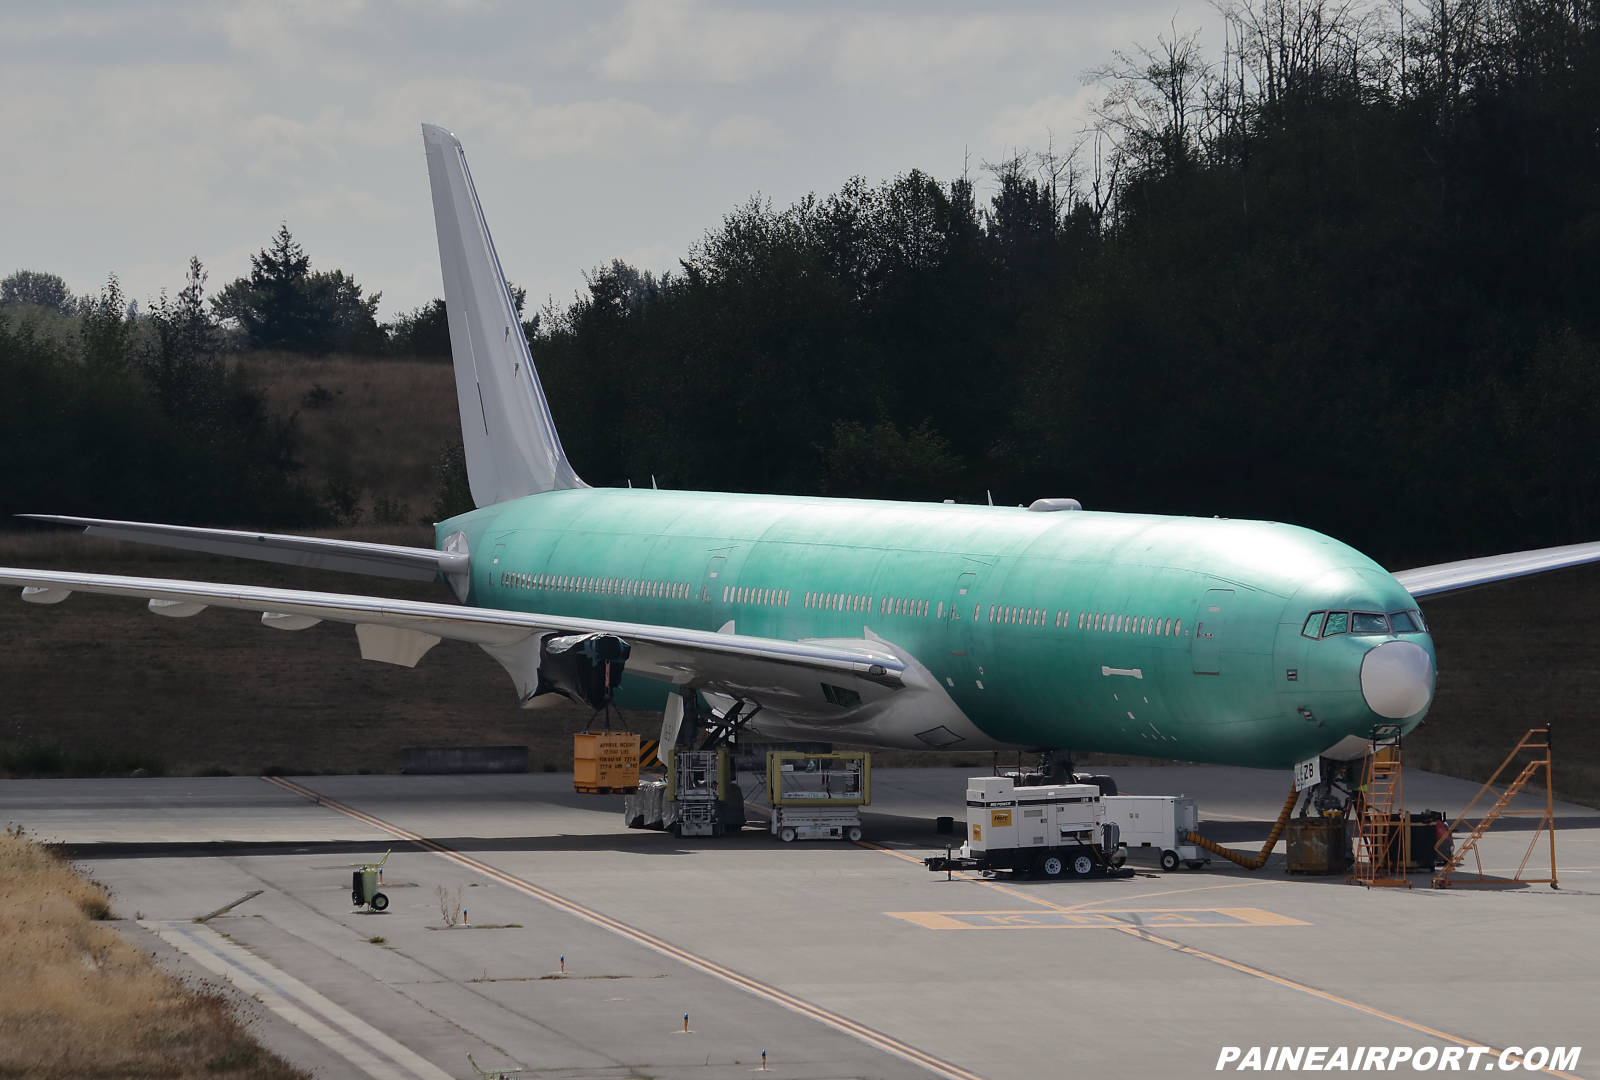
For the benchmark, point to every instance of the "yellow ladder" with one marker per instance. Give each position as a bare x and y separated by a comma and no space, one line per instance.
1537,740
1378,847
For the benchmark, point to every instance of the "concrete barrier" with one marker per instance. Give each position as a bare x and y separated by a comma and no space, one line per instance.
464,759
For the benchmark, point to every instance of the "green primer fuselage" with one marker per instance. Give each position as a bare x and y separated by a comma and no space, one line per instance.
1064,630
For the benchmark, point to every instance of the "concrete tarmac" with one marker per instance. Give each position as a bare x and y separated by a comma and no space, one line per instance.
839,960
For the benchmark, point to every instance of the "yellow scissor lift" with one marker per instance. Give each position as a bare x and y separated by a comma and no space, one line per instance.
818,796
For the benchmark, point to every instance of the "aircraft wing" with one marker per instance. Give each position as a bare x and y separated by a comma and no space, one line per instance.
772,671
1449,577
379,560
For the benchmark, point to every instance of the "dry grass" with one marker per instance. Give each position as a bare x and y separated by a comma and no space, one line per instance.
381,427
80,1000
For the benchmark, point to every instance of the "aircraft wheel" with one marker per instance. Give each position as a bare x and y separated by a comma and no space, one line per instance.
380,902
786,834
853,834
1169,861
1051,866
1082,866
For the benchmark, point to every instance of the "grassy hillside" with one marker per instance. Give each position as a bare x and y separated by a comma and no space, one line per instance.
374,425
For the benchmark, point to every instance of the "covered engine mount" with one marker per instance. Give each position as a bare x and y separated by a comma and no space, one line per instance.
583,667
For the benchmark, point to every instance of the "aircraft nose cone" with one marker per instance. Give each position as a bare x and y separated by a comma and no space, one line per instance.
1397,679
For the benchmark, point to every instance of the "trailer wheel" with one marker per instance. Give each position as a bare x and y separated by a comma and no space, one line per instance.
853,834
1051,866
1082,866
786,834
379,901
1169,861
1195,864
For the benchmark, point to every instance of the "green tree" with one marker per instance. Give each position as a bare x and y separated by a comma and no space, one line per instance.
283,304
37,288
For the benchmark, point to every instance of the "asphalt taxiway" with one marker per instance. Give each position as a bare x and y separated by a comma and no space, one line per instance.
587,943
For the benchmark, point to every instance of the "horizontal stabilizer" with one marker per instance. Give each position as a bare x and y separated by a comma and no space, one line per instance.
379,560
1449,577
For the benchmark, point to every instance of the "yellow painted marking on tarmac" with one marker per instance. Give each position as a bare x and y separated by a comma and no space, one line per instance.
871,1037
1164,893
1144,934
1094,920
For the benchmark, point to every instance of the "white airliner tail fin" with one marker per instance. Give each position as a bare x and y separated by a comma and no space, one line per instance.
511,444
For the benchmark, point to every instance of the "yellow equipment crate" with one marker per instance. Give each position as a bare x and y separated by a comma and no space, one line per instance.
605,764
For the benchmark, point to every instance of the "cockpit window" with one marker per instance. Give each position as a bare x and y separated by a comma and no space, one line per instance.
1338,623
1366,622
1403,623
1417,615
1313,625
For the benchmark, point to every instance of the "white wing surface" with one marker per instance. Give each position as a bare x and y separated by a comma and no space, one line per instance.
1449,577
782,674
510,440
351,556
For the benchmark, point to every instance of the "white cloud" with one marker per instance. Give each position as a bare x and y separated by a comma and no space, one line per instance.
143,130
690,41
747,131
1053,118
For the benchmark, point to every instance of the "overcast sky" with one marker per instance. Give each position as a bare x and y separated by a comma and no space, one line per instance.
142,133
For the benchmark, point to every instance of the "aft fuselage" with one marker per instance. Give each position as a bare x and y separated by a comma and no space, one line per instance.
1167,637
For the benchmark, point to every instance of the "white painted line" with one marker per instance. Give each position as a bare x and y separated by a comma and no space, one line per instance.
353,1039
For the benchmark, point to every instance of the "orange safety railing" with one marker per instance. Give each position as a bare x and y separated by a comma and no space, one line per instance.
1377,848
1537,740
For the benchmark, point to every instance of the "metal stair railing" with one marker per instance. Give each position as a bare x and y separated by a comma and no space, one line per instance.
1502,809
1377,844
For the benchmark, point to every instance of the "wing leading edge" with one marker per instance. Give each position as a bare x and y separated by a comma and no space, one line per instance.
351,556
1450,577
774,672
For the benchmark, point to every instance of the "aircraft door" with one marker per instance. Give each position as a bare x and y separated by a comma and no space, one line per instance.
711,585
961,633
1205,648
495,568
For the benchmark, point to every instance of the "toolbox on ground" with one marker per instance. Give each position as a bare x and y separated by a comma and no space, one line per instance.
1316,845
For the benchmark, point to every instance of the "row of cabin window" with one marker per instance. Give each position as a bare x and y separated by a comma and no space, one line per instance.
886,605
1329,623
663,590
1027,616
738,594
1127,624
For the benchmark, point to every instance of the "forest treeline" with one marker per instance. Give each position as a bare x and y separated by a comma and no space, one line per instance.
113,411
1342,272
1339,270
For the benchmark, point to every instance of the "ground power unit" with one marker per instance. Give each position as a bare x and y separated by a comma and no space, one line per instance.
1157,825
1049,830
